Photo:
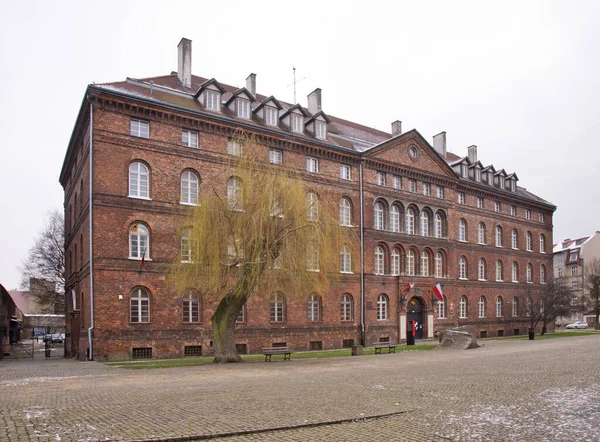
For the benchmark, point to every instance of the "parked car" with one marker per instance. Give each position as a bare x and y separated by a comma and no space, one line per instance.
578,324
54,337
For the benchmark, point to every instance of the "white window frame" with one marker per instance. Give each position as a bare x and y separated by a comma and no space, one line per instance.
189,138
529,241
320,129
499,271
395,262
514,239
312,206
139,241
529,274
345,172
481,310
462,230
499,307
189,247
243,108
190,308
139,306
426,189
412,186
424,223
440,192
515,307
541,217
275,156
378,220
189,188
513,210
439,265
345,212
462,268
410,263
379,261
481,234
441,308
234,148
515,272
438,225
542,243
497,206
312,165
345,259
139,128
481,269
382,307
527,213
277,307
462,307
424,264
461,197
213,100
397,182
297,123
410,221
234,193
346,308
498,236
380,178
395,219
479,202
271,116
139,180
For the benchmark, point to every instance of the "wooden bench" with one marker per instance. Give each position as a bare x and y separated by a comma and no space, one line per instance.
391,347
270,351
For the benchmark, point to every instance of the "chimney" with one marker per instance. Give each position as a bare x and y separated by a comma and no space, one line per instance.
251,84
396,128
472,152
314,101
439,143
184,62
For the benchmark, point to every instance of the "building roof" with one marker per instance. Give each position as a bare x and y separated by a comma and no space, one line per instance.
570,244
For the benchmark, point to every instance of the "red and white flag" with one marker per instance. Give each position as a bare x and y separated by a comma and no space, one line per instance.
438,292
410,286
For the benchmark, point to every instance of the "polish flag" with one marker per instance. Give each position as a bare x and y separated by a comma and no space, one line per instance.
409,287
438,292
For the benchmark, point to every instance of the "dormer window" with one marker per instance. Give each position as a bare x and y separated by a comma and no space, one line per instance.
477,174
271,115
464,170
320,130
501,182
297,123
213,100
490,178
513,185
243,108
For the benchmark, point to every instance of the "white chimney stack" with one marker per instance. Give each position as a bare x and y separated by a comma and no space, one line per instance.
184,62
396,128
314,101
439,143
251,84
472,152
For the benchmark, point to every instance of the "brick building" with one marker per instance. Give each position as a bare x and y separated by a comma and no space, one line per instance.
139,150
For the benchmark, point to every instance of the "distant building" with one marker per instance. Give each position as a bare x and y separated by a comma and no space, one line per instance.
569,260
140,149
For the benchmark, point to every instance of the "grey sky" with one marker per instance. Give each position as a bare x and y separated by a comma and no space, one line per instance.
520,79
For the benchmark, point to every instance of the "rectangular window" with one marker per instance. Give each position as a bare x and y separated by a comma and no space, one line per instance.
527,214
477,174
426,189
241,349
213,100
315,345
297,123
275,156
560,273
271,115
490,178
479,202
380,178
440,192
541,217
138,128
312,165
397,182
513,210
243,108
345,173
574,271
192,350
464,171
234,148
412,186
141,353
461,198
320,130
189,138
497,206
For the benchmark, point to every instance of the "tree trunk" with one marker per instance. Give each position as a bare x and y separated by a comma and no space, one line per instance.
223,340
544,329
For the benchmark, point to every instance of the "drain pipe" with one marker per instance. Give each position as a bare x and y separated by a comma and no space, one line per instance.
362,256
91,213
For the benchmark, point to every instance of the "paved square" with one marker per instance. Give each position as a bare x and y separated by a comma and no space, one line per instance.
507,390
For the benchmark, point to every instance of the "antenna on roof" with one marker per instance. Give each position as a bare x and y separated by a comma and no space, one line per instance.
294,83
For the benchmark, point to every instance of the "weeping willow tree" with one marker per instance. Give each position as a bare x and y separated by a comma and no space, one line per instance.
265,231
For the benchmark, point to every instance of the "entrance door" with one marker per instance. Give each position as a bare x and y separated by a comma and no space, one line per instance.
414,311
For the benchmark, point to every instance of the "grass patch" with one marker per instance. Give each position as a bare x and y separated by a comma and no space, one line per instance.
193,361
559,334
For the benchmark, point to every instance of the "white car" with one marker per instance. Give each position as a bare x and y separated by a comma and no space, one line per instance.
54,337
578,324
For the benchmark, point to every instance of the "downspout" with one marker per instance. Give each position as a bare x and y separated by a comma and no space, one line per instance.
91,329
362,257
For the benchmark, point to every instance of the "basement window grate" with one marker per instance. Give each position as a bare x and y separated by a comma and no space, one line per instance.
141,353
315,345
242,349
192,350
348,343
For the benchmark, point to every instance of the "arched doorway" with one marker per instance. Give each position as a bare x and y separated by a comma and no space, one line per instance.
414,312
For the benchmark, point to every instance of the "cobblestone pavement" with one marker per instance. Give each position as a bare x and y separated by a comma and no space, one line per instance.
507,390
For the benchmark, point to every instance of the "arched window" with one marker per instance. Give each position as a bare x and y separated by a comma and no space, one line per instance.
345,211
499,271
312,206
529,242
139,180
462,307
499,307
481,233
481,307
424,223
410,221
481,269
529,273
439,231
189,187
345,259
378,224
234,193
462,268
139,306
514,239
439,265
277,307
139,241
441,308
382,307
189,247
395,262
425,263
347,311
528,306
542,244
462,230
312,259
515,271
410,263
542,274
498,236
515,307
314,308
395,219
379,261
191,307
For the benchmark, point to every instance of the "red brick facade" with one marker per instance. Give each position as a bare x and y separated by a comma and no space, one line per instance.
112,150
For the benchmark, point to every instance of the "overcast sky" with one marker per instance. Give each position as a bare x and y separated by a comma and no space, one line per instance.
519,79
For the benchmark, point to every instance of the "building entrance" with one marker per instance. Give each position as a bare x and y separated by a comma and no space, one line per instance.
415,310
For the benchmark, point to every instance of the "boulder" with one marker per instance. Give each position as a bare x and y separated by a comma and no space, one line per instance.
458,338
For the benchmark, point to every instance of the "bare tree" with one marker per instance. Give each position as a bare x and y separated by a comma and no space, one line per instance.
46,261
592,285
544,304
268,233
